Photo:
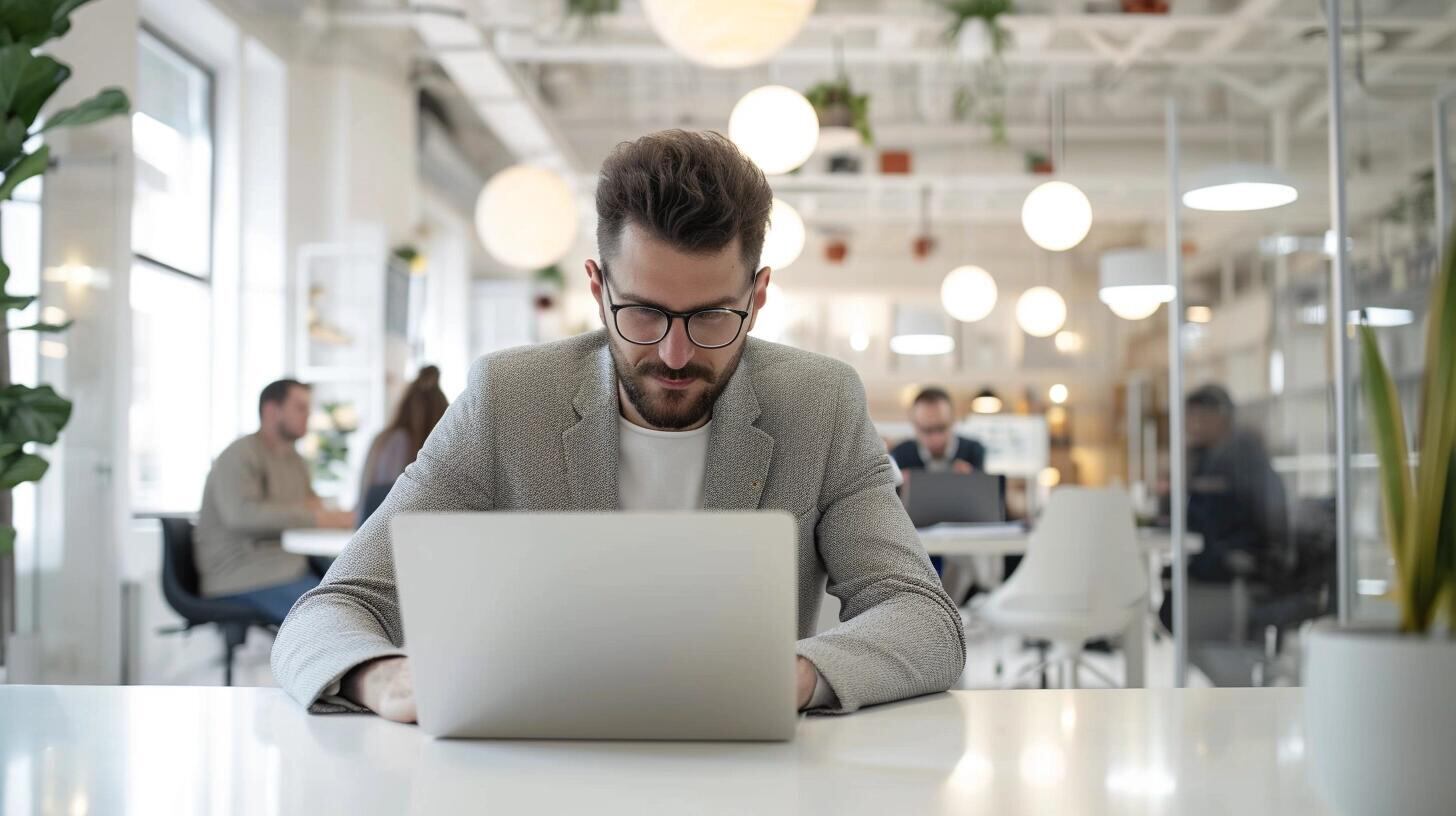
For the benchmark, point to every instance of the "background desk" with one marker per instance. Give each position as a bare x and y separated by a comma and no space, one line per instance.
994,541
157,750
321,543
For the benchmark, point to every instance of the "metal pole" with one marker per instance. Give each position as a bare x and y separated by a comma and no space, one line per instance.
1177,473
1443,173
1339,316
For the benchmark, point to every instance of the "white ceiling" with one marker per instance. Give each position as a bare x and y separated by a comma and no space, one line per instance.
1243,71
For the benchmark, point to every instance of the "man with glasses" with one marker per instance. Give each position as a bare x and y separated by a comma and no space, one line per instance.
932,416
670,407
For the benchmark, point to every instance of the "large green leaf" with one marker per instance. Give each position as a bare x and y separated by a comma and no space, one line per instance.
13,59
108,103
12,140
32,165
17,302
32,414
1437,441
20,468
42,77
64,8
1392,451
46,328
27,19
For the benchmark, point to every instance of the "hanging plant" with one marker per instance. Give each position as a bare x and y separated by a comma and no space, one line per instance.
983,96
839,106
551,276
586,12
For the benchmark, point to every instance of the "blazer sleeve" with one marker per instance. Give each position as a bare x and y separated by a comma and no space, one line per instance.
353,616
901,636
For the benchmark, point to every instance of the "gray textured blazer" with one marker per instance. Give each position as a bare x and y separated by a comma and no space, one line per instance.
537,430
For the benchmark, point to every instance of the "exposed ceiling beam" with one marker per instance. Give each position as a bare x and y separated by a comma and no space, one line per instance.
490,85
1124,25
1384,68
519,47
1251,13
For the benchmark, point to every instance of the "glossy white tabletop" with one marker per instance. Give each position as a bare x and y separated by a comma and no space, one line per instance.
321,542
157,750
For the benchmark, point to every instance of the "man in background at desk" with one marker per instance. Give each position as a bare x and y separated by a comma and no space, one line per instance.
936,447
670,407
257,488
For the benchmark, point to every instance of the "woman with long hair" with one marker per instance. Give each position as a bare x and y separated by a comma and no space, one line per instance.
399,443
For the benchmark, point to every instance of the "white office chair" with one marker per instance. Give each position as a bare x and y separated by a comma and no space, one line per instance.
1082,578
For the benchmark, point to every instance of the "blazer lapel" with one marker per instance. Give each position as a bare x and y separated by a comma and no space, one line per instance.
591,445
739,452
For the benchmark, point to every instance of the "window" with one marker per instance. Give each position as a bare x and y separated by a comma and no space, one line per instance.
171,295
172,137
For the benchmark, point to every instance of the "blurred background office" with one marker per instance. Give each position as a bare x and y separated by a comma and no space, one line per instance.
970,196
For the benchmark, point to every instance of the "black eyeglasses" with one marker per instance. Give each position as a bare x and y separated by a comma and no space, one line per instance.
648,325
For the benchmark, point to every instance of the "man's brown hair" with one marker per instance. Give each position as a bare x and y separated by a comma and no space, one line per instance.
692,189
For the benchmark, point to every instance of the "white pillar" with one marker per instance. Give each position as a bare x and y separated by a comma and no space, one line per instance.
86,255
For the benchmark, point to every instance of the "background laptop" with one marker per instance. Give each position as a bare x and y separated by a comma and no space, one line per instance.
600,625
933,498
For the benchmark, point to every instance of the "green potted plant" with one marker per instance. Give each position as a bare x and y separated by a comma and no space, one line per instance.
1379,708
980,39
839,106
584,13
28,79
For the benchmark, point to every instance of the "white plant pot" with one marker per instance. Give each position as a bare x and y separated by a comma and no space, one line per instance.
973,43
1380,720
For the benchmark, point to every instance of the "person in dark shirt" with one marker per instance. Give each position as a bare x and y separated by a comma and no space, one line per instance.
936,447
1235,499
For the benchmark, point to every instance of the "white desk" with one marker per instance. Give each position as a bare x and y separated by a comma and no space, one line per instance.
1008,540
320,542
996,540
154,751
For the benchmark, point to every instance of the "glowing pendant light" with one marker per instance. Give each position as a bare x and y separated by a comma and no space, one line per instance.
526,217
1041,311
784,241
1056,216
968,293
727,33
1134,282
1240,188
920,332
776,127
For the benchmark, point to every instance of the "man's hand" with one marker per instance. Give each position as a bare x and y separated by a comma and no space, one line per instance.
386,687
808,677
333,519
962,466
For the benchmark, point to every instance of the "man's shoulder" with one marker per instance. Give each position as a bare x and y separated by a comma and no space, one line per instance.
244,447
777,363
570,351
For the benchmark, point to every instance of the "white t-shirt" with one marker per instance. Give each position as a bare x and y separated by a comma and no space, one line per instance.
662,470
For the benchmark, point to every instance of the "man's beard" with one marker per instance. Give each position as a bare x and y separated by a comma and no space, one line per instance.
671,410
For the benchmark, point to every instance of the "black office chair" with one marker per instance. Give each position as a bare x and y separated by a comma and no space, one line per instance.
180,585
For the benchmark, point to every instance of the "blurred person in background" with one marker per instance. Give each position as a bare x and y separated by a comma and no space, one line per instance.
936,447
1236,503
395,447
258,487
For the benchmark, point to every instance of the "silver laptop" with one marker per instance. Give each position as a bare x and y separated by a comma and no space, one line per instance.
600,625
935,498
